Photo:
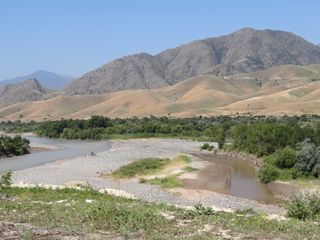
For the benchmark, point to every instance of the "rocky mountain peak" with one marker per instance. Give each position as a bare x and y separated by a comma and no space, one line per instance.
246,50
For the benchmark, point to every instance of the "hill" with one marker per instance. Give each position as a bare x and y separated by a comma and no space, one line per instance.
28,90
288,89
244,51
47,79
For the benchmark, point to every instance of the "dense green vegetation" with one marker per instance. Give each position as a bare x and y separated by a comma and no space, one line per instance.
107,216
16,145
289,149
288,145
98,127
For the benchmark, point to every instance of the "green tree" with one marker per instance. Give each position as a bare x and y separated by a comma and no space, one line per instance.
308,158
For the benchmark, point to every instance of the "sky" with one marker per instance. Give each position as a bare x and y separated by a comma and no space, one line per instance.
72,37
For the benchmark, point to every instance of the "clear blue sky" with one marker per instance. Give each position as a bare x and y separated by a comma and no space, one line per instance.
74,36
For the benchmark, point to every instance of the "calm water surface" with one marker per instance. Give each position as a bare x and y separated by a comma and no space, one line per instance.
67,149
231,176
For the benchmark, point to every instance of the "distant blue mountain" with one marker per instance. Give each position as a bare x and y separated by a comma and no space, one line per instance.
46,79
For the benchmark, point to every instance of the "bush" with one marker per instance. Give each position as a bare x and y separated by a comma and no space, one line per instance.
206,146
16,145
304,206
5,180
285,158
288,174
202,210
268,173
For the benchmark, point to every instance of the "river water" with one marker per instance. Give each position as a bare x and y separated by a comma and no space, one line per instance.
221,174
66,149
231,176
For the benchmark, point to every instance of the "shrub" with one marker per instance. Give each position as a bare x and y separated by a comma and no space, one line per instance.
285,158
304,206
13,146
5,180
206,146
268,173
288,174
202,210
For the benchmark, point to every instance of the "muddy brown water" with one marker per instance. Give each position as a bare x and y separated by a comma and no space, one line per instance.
230,176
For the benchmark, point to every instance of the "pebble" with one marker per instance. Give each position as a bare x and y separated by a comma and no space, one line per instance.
86,169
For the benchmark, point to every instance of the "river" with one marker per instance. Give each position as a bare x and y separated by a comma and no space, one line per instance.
65,149
231,176
221,174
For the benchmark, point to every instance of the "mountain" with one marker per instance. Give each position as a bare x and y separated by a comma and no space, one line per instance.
244,51
47,79
287,89
28,90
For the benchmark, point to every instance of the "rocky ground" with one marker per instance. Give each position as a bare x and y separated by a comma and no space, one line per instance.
17,231
89,169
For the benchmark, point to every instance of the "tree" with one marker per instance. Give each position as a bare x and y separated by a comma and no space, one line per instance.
268,173
308,158
285,158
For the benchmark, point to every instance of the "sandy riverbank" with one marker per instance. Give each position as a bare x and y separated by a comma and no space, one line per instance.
88,169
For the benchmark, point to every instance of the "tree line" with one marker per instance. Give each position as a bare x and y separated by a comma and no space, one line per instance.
289,145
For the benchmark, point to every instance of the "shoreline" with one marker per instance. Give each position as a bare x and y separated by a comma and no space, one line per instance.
35,147
280,189
88,169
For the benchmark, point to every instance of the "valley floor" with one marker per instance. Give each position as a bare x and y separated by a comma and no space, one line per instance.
92,170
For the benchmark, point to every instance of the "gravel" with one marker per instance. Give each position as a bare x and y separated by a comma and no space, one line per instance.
88,169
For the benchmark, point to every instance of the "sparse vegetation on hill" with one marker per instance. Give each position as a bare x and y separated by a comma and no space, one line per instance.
221,56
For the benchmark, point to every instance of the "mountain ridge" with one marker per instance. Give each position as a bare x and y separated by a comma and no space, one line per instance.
47,79
28,90
246,50
281,90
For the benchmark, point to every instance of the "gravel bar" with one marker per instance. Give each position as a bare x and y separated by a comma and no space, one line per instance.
89,169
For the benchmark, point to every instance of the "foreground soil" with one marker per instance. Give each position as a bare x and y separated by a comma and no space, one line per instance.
37,213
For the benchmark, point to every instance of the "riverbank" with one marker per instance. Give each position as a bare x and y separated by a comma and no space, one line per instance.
89,169
281,190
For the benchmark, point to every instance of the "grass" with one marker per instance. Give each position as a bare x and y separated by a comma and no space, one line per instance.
140,167
135,219
126,136
149,166
190,169
171,181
